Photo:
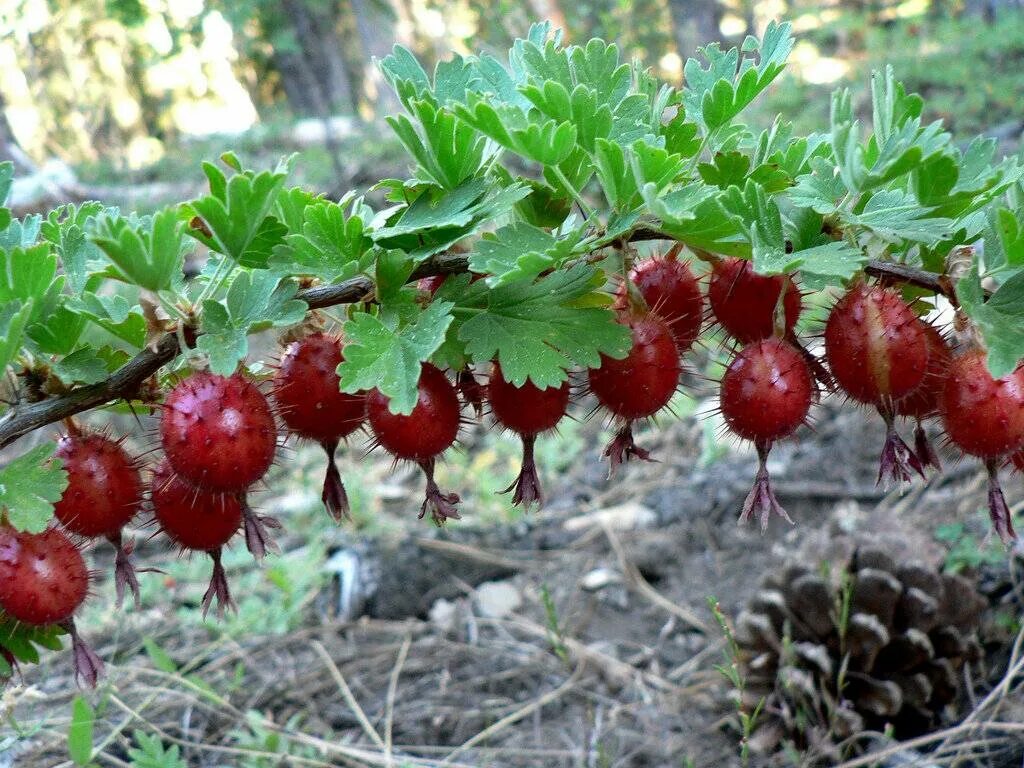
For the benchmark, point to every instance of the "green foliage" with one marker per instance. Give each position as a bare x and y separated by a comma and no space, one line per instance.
29,486
80,732
150,752
22,641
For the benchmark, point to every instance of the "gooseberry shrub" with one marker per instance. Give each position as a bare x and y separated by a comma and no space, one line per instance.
571,228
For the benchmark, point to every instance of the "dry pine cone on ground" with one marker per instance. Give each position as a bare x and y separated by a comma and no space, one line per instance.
880,646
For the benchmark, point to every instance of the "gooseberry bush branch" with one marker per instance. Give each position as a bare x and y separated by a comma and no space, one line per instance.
517,244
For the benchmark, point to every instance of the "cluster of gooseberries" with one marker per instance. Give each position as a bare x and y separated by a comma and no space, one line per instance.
219,435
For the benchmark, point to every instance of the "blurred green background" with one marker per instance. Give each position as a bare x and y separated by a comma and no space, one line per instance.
100,96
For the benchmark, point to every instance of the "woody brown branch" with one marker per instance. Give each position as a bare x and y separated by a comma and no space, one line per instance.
124,383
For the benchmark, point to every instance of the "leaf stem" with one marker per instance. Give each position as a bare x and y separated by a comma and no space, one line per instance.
588,212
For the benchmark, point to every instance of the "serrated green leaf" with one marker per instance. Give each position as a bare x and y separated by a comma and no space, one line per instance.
237,214
547,142
719,93
21,233
538,330
255,300
80,732
894,215
29,486
14,317
114,314
448,150
1003,332
151,753
65,228
330,245
147,252
438,219
520,252
83,366
385,354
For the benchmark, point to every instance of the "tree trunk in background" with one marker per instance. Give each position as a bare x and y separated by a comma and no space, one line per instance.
9,147
313,73
377,32
695,23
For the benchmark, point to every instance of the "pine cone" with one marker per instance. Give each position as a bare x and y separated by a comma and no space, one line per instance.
880,645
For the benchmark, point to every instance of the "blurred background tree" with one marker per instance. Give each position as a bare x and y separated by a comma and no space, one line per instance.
126,84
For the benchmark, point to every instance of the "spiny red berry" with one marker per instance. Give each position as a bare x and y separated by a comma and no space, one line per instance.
192,517
199,520
311,404
43,577
875,345
877,350
672,292
429,430
104,493
422,435
638,385
983,416
104,488
766,392
924,401
744,302
306,388
528,411
44,580
641,383
218,432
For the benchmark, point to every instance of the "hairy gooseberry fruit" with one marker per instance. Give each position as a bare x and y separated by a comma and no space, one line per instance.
218,432
422,435
923,402
528,411
103,494
44,580
312,406
745,303
765,395
673,294
876,348
984,417
197,519
640,384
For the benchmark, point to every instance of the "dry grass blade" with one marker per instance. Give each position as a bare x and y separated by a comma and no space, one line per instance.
389,706
350,699
636,580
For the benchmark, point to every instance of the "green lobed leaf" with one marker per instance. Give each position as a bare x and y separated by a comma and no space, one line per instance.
150,752
538,330
382,352
330,245
520,252
255,301
1002,330
14,317
237,214
147,252
29,487
83,366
